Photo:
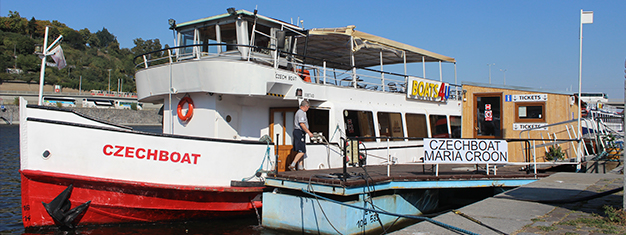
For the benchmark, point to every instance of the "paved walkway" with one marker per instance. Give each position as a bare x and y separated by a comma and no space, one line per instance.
514,213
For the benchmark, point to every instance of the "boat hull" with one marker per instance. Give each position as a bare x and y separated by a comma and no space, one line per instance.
118,201
130,176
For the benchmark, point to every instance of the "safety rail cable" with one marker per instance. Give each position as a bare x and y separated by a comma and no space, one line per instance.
447,226
390,84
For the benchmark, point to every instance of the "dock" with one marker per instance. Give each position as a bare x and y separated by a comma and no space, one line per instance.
322,201
537,208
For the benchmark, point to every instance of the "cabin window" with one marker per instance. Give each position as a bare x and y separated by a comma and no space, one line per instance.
261,39
439,126
530,112
318,121
416,125
359,123
208,35
187,39
229,35
455,126
390,125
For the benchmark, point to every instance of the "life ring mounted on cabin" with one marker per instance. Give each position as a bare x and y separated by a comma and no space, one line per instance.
179,110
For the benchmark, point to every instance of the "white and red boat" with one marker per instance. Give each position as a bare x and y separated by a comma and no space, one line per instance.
229,91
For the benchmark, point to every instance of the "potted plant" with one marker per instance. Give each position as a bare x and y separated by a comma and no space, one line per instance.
554,153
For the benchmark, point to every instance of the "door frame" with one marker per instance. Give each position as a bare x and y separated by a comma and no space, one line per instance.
475,114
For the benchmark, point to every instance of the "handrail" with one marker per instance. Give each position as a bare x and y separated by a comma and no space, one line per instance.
526,142
277,56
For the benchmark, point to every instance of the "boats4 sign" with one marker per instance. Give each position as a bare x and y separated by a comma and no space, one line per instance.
424,89
530,98
465,151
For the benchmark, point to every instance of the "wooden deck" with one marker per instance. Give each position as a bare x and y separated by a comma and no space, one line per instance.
403,173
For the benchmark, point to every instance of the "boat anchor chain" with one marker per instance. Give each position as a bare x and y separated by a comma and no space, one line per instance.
59,209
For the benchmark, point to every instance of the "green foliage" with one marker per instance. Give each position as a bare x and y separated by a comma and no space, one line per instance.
614,215
554,153
133,106
88,55
16,101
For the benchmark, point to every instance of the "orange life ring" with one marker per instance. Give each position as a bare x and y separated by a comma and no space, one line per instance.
189,113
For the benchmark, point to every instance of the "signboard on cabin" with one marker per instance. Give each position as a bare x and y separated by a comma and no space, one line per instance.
526,126
530,98
429,90
474,151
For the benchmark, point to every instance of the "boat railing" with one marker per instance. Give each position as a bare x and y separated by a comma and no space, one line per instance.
530,161
319,71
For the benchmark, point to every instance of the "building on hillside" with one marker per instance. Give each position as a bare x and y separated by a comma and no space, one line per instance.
506,112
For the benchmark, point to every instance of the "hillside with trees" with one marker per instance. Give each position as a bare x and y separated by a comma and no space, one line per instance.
87,54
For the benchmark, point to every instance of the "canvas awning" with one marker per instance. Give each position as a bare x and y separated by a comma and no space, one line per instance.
333,44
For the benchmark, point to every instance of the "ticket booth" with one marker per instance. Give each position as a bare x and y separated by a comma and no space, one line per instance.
500,112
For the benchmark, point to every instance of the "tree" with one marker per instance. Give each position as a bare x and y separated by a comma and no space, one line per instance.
73,38
105,38
31,29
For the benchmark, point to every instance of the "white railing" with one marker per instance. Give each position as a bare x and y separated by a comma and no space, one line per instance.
328,75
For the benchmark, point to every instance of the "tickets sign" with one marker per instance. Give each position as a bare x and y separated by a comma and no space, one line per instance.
424,89
526,126
530,98
465,151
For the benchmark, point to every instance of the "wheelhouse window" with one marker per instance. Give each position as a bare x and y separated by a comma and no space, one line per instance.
530,112
416,125
439,126
359,123
390,125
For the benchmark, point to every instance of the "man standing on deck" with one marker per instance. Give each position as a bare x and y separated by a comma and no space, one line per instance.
301,126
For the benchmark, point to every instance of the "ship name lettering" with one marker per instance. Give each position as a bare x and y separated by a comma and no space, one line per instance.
150,154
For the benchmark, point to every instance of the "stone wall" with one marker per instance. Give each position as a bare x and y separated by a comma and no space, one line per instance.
117,116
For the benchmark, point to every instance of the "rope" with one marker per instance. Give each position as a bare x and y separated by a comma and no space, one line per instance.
478,222
267,139
393,214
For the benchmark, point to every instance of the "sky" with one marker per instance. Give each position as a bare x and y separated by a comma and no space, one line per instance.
532,43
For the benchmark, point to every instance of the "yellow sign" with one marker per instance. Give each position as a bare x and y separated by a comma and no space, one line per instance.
424,89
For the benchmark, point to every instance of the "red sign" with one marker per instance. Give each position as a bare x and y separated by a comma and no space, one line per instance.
488,115
488,106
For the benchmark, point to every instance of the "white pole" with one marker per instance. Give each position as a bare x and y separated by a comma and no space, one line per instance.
80,85
440,74
43,67
580,69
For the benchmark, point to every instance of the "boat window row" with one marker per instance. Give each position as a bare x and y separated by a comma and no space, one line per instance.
391,124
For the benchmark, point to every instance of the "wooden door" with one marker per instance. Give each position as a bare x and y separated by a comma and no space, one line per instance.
281,131
488,115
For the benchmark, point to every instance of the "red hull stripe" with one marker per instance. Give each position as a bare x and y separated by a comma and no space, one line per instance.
119,201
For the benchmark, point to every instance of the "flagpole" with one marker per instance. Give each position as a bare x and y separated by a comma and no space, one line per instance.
584,19
43,67
580,68
45,52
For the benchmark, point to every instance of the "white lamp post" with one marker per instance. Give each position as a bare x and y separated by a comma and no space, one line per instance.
504,71
490,71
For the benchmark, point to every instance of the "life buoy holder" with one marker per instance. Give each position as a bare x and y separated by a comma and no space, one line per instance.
189,113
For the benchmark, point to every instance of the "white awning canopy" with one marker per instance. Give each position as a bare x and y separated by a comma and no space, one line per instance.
333,44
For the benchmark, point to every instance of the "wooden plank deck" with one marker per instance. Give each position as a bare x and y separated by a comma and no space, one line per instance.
402,173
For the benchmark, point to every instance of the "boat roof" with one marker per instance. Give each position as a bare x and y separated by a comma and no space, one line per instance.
238,12
335,43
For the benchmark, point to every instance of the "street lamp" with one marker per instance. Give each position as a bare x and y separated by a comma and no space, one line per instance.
109,80
504,71
490,71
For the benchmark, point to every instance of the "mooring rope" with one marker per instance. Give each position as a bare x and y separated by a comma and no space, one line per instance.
447,226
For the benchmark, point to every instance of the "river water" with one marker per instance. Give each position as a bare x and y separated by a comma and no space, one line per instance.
11,214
